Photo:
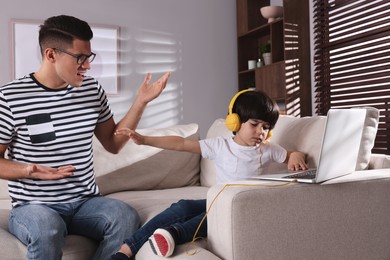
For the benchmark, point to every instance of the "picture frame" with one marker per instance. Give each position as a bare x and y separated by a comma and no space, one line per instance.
26,55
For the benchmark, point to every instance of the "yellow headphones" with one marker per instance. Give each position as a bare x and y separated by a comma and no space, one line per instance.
232,121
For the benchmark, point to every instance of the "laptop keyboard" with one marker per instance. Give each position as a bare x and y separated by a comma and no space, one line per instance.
310,174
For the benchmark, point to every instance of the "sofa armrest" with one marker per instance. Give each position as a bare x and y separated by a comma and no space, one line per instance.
301,221
379,161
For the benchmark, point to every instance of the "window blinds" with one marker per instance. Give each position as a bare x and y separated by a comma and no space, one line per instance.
352,59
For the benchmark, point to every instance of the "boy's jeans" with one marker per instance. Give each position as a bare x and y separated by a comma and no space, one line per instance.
184,215
43,227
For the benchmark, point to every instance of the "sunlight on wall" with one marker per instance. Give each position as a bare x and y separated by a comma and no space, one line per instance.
157,53
105,66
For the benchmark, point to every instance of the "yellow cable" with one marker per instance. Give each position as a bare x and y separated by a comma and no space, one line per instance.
215,198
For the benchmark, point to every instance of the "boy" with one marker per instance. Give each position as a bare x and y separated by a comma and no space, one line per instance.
238,157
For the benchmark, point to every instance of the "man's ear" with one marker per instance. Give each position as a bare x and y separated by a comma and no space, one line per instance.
49,54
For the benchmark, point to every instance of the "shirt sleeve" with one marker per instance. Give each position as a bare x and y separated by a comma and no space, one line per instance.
105,112
210,147
6,121
279,154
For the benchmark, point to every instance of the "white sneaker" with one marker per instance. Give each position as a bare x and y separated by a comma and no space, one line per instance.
162,242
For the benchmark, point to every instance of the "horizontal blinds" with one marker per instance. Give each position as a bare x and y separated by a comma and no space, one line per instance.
352,59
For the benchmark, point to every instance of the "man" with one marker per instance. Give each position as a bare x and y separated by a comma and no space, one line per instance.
47,122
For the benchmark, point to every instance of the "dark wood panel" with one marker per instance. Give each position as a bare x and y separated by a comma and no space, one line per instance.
271,80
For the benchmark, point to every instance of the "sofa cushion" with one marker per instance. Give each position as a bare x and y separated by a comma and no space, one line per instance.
368,138
379,161
139,167
4,190
299,134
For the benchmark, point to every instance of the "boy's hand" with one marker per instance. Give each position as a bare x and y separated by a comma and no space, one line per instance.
297,161
133,135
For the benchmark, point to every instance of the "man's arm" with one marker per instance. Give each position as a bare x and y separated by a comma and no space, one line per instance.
11,170
176,143
146,93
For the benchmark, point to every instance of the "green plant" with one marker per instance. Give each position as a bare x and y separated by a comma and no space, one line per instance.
266,48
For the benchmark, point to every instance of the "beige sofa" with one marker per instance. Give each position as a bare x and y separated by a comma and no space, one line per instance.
347,219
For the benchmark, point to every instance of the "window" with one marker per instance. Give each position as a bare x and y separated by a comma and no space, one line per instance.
352,59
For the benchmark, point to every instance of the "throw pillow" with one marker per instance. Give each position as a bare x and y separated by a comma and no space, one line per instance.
140,167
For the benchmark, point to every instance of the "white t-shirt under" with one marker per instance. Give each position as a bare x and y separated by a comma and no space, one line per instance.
234,162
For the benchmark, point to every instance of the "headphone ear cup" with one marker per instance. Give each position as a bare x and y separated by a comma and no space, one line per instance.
269,135
233,122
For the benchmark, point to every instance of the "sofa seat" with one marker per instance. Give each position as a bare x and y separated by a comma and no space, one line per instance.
147,203
150,203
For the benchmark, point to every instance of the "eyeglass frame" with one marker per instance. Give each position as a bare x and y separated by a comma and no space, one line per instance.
82,57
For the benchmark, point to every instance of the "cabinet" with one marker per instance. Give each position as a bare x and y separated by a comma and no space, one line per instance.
287,79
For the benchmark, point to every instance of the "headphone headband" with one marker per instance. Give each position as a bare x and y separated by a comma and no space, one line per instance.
235,97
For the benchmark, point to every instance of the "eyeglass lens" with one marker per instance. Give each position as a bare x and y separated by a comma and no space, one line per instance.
82,58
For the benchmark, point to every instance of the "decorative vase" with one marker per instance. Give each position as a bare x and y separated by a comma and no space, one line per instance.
267,58
271,12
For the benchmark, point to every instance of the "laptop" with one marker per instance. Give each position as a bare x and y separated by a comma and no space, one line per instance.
339,149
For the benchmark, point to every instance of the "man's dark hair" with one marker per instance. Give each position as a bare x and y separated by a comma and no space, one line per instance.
60,31
256,105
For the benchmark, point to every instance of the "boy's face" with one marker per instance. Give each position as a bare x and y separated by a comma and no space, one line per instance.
252,132
67,68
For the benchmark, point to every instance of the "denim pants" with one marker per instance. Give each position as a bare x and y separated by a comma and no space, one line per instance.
184,215
43,227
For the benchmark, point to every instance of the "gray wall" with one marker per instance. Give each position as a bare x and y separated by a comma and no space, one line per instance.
196,40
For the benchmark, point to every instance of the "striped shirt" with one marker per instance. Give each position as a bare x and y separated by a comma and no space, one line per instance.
53,128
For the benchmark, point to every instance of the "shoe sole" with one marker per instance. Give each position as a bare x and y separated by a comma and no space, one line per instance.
164,237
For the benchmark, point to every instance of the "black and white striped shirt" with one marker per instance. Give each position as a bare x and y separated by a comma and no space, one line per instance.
52,128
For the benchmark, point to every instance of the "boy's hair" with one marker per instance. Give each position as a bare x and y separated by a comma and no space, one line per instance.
256,105
60,31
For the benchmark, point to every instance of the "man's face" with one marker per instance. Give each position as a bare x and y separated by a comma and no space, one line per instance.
67,67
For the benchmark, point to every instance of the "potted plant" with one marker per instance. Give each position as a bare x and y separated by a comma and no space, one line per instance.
266,53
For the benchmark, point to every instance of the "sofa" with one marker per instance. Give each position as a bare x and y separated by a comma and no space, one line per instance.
344,218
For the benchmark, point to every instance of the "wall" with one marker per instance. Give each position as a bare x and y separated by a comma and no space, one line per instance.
196,40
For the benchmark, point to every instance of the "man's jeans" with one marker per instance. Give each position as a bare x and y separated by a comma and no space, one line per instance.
42,228
185,216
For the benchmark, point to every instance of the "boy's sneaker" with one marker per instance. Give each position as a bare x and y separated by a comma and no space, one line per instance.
162,242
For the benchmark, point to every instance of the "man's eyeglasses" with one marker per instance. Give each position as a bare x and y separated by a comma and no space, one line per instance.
80,58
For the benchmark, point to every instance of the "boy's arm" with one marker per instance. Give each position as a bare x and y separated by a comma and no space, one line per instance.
296,161
176,143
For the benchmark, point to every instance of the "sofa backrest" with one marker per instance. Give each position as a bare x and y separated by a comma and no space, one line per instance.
140,167
5,200
298,134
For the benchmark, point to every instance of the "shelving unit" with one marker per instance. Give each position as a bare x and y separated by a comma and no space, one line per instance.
254,31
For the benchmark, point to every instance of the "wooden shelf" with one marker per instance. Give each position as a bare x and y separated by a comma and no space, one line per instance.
250,43
253,31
